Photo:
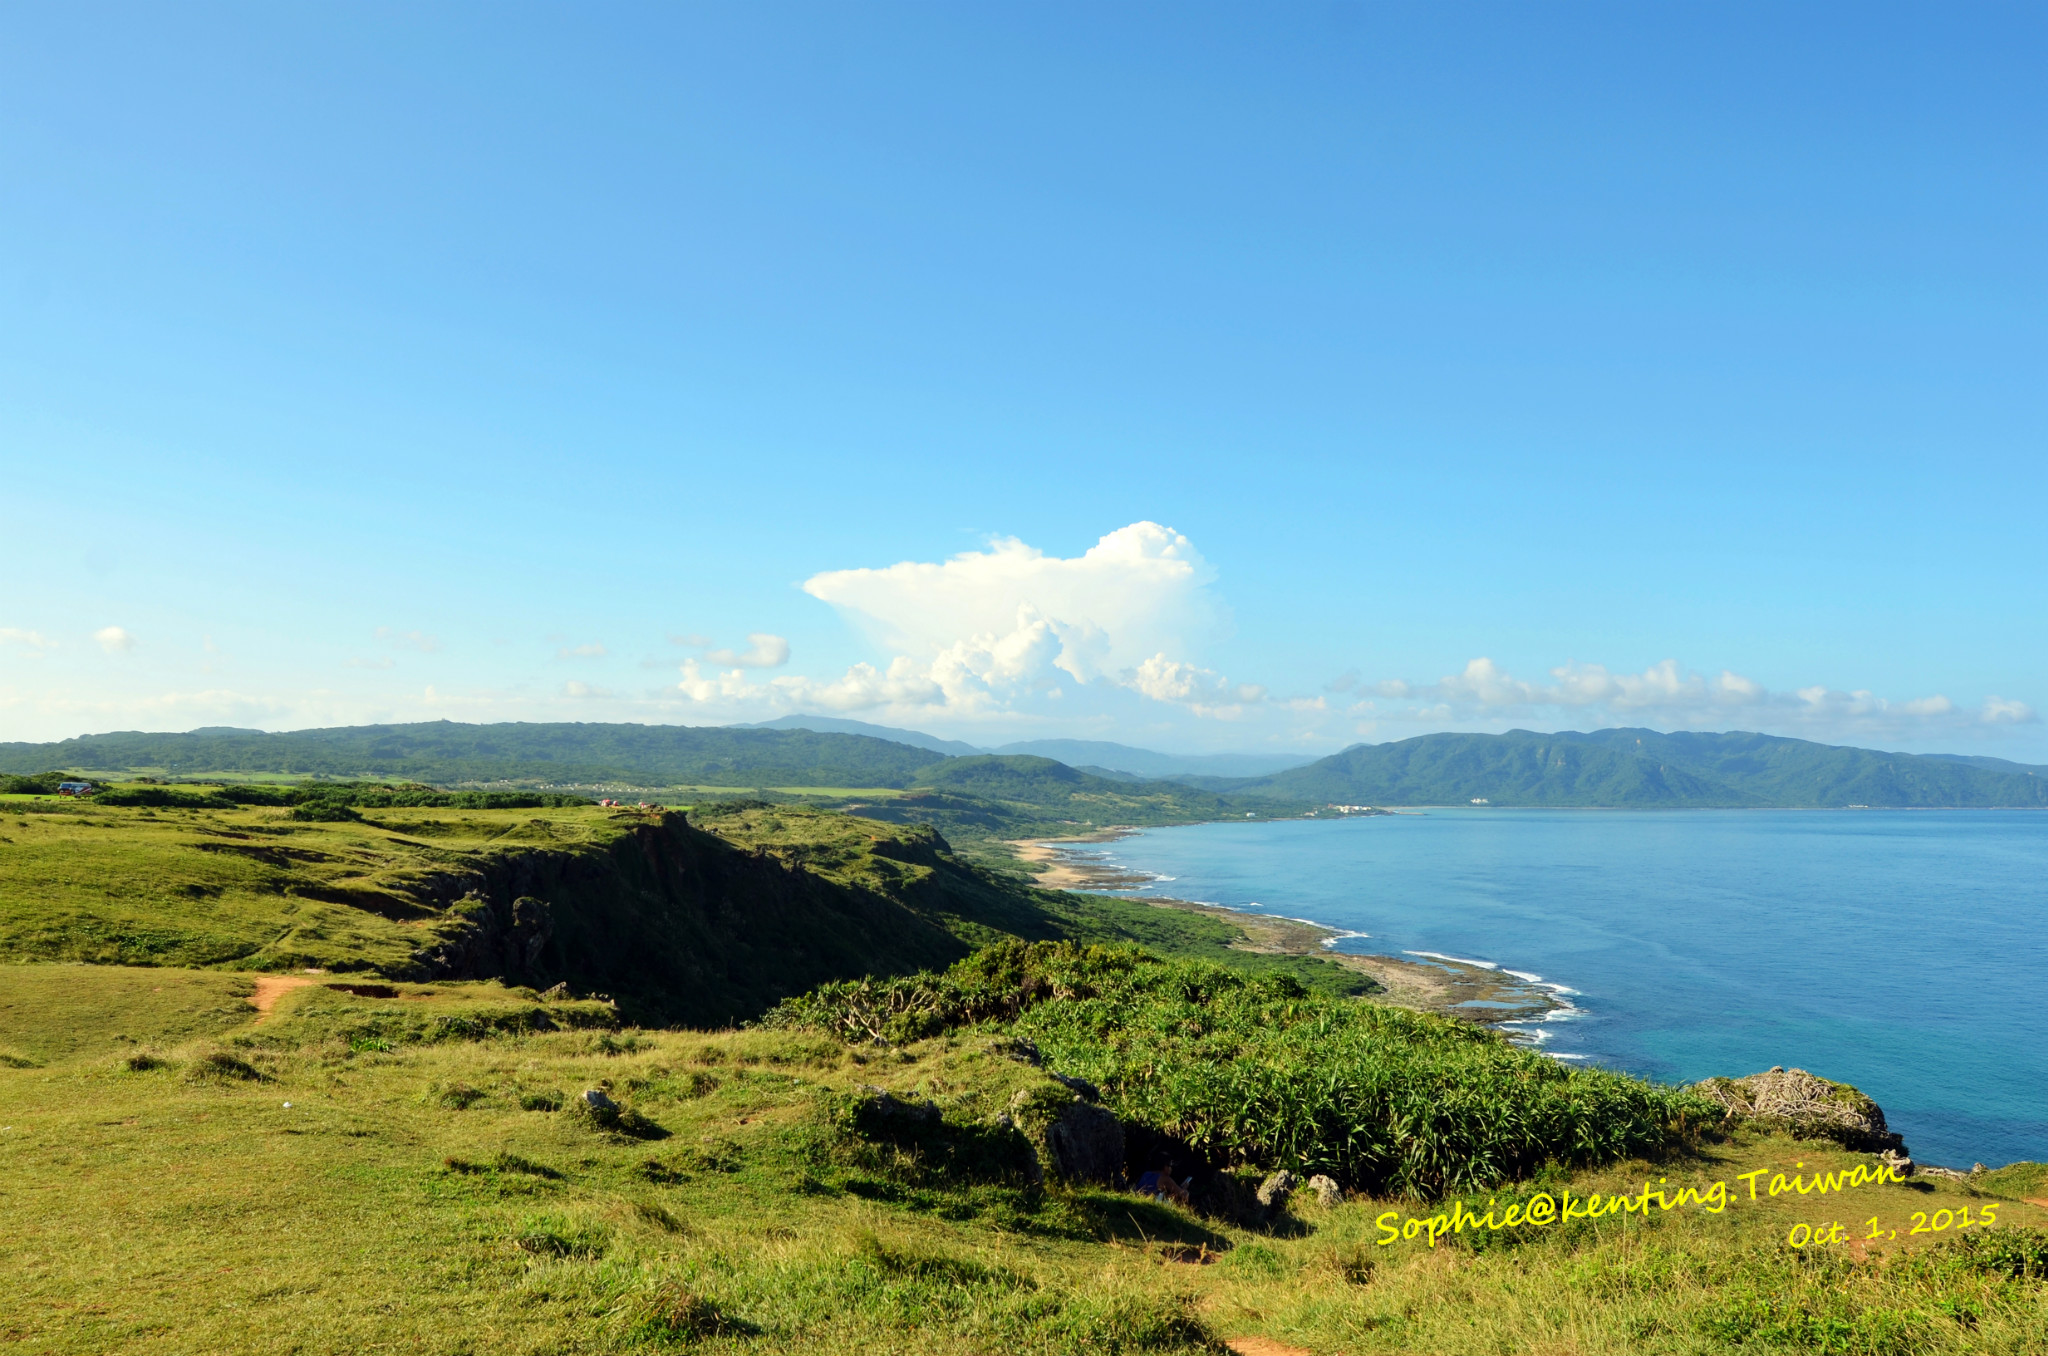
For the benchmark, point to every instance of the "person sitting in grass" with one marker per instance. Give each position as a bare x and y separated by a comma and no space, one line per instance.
1160,1185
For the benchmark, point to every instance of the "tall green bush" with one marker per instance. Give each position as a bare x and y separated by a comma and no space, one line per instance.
1258,1071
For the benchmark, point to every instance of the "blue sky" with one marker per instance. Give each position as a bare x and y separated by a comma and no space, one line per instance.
1271,377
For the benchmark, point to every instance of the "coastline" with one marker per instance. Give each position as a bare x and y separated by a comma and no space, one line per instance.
1481,994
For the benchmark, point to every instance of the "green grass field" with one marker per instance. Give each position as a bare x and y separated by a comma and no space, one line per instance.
387,1162
422,1195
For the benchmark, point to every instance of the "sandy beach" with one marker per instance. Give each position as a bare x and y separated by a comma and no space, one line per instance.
1424,985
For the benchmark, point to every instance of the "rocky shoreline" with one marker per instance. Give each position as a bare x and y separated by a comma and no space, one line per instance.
1473,993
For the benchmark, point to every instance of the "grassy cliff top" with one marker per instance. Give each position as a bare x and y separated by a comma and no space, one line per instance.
706,923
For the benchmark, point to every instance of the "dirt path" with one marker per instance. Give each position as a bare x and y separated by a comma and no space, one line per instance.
270,988
1264,1346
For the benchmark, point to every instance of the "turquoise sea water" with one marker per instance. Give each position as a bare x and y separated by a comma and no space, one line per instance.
1905,952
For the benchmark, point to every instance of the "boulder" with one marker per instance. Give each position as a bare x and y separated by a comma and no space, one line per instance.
1274,1191
1805,1105
1075,1140
1325,1189
598,1102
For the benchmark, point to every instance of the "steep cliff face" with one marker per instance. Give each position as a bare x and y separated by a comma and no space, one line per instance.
685,926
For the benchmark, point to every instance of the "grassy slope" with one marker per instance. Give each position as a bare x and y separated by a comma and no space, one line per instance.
681,924
406,1201
1640,768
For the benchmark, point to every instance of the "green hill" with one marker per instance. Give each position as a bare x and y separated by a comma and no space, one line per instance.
1642,768
707,922
445,752
1017,795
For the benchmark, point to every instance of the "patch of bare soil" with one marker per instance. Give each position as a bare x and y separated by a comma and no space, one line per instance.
270,988
1264,1346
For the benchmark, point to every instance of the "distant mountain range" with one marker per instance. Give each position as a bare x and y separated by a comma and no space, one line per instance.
1645,768
1606,768
444,752
1089,755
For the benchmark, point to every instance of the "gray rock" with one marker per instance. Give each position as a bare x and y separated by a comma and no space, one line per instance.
598,1101
1806,1105
1017,1048
1326,1190
1892,1158
1087,1144
1080,1085
1075,1140
555,993
1274,1191
886,1105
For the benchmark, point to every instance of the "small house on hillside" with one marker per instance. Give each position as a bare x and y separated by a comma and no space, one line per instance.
74,788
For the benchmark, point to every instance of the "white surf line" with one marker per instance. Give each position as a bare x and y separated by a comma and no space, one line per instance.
1529,1029
1456,960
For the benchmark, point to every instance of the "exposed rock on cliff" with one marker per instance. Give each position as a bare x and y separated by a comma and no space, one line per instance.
1075,1140
685,926
1805,1105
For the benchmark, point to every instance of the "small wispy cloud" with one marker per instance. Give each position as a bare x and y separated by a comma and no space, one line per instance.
692,641
408,640
591,651
114,640
33,641
573,688
764,651
1666,693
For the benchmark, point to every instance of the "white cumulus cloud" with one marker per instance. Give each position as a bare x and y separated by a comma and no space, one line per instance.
985,627
114,640
1999,711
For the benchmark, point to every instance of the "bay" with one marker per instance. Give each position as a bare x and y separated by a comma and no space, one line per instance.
1902,951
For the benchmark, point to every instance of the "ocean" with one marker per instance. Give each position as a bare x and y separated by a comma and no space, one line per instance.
1903,951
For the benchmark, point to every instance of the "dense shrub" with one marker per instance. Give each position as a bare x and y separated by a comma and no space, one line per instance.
380,796
37,784
2005,1252
162,797
1256,1070
323,811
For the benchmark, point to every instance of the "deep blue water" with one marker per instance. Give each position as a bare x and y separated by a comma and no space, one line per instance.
1905,952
